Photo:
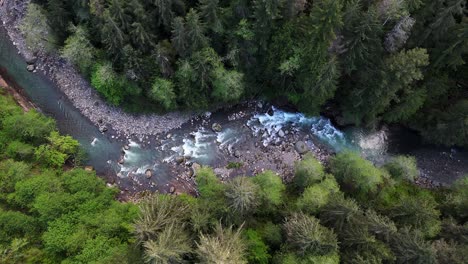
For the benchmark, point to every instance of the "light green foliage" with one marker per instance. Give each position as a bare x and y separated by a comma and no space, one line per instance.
19,150
30,127
242,195
308,171
271,190
162,92
228,86
316,196
79,50
57,151
458,199
306,236
36,29
403,168
257,251
113,87
12,172
224,246
419,212
209,185
356,173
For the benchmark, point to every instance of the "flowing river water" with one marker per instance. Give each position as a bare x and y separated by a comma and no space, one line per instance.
245,129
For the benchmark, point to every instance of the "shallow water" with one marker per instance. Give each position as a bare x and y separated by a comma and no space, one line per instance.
202,144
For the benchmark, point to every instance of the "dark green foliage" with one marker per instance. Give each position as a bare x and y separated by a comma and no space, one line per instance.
410,247
305,235
457,200
371,61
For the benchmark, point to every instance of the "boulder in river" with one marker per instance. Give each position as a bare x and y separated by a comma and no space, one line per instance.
103,129
121,160
281,133
126,147
149,173
30,68
216,127
301,147
180,159
270,111
30,58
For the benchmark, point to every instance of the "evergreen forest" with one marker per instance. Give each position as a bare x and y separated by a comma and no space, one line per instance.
349,211
363,62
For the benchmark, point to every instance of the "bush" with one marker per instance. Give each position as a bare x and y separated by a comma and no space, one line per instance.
308,172
316,196
403,168
458,200
271,190
271,234
257,251
12,172
30,127
162,92
356,173
19,150
113,87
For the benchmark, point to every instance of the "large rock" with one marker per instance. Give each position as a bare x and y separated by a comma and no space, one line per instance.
30,59
88,168
281,133
301,147
216,127
149,173
30,68
180,159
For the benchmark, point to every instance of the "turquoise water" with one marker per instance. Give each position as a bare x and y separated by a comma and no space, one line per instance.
202,144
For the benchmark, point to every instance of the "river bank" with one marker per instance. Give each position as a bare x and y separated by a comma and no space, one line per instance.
163,151
21,99
79,91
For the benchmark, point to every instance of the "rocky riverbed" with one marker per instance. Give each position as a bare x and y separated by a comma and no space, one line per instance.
78,90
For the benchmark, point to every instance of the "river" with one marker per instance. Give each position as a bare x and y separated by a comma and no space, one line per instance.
249,134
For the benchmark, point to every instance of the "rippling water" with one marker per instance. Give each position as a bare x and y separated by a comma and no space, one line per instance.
200,143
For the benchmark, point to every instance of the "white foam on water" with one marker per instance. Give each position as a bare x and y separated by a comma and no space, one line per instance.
133,144
227,137
268,126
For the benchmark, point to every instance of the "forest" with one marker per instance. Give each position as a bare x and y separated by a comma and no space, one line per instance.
365,62
347,211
